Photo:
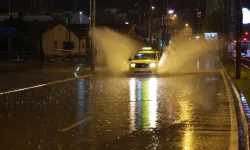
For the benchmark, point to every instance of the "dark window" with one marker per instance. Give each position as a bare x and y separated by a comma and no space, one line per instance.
55,44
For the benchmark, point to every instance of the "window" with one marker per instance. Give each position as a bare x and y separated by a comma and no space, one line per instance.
72,45
55,44
145,56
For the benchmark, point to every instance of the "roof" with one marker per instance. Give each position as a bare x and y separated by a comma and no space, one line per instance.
35,29
37,17
146,51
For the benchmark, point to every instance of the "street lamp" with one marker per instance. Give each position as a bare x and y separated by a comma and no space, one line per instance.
186,24
153,7
171,11
92,24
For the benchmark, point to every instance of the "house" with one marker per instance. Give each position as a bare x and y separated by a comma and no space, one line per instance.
39,18
57,39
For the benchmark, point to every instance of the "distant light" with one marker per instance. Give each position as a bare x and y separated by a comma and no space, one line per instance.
89,18
77,69
234,41
246,16
153,7
171,11
186,24
80,13
197,37
246,33
245,39
147,48
126,23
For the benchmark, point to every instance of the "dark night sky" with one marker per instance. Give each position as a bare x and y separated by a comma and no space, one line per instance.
24,5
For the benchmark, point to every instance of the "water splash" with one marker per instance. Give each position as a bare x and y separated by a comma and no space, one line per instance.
183,54
115,49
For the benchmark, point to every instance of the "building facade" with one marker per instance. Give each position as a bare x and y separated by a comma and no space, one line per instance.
54,40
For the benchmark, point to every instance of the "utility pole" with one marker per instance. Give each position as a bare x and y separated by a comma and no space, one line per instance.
31,5
93,52
139,16
75,6
150,22
9,6
167,24
238,44
139,5
90,33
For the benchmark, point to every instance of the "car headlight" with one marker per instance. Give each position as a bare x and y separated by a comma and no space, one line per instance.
132,65
152,65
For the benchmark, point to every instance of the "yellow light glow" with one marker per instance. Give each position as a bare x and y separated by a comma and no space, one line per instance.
152,88
132,90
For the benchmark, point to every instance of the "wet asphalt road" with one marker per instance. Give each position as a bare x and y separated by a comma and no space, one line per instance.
183,111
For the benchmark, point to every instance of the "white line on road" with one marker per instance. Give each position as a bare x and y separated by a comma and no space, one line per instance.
74,125
234,128
42,85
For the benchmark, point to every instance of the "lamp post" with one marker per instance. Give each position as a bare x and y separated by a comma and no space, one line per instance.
93,52
238,44
9,6
91,33
139,16
150,23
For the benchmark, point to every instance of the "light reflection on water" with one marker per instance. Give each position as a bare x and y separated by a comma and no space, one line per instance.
143,103
81,99
132,89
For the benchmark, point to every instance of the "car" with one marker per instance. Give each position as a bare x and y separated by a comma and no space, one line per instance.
145,61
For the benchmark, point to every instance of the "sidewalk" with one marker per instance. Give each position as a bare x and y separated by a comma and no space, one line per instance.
10,67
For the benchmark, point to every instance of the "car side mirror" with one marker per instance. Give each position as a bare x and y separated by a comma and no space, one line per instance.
129,59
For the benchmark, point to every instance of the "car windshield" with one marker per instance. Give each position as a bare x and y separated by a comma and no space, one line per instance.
146,56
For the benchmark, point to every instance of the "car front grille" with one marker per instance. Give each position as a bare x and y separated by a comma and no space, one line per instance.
141,65
143,72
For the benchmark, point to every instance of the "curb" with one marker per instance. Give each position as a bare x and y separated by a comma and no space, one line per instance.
243,116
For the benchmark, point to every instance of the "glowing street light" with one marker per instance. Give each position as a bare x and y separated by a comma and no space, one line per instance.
153,7
186,24
171,11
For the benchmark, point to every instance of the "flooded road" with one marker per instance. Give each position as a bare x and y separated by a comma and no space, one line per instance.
182,111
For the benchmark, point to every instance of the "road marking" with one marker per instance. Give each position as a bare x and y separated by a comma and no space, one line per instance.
74,124
234,128
42,85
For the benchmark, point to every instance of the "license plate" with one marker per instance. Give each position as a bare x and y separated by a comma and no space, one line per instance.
143,69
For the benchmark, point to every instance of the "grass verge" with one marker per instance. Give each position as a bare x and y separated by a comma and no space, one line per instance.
242,84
